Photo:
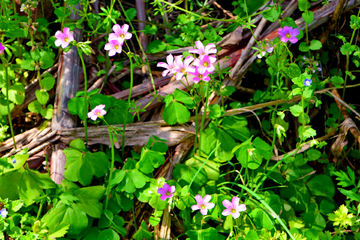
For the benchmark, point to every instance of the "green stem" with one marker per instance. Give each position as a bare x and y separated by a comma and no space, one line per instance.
40,208
196,128
203,120
111,168
85,95
8,104
128,107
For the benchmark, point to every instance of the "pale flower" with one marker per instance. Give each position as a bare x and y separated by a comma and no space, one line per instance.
170,65
2,48
200,76
98,111
289,34
4,213
113,46
233,207
201,50
183,67
205,63
120,32
203,204
63,38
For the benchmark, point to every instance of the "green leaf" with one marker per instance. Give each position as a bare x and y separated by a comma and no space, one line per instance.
205,234
150,160
315,45
16,93
42,96
308,18
150,29
46,59
130,14
313,154
131,180
118,112
142,232
264,148
322,185
273,14
303,5
211,167
76,106
186,173
236,127
48,83
66,214
350,194
175,112
88,200
83,165
35,55
28,64
293,70
4,108
184,97
47,113
108,234
303,47
296,110
249,157
337,81
58,231
156,46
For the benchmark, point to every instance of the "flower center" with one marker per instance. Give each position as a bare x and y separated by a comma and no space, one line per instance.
98,113
116,47
200,76
288,35
122,35
168,193
66,39
182,70
203,206
233,210
206,64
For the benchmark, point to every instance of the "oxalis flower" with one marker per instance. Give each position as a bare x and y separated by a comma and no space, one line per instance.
98,111
170,65
4,213
198,76
2,48
233,207
205,64
113,46
307,82
166,191
183,67
203,204
63,38
268,48
289,34
120,32
201,50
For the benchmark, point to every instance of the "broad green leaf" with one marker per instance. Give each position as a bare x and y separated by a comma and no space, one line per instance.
35,55
315,45
58,231
42,96
184,97
88,200
264,148
205,234
186,173
9,183
4,108
249,157
130,14
83,165
211,167
303,5
106,219
16,93
303,47
118,112
66,214
236,127
296,110
297,196
28,64
108,234
350,194
47,112
46,59
322,185
150,159
132,180
48,83
308,18
156,46
175,113
142,232
273,14
313,154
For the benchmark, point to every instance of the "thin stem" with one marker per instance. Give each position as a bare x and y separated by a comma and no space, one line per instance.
202,121
196,128
85,95
8,104
111,167
128,106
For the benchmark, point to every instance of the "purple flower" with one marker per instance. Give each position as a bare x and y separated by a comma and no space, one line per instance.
201,50
114,46
203,204
4,213
63,38
233,207
199,76
170,65
13,161
307,82
205,64
2,48
121,33
166,191
98,111
289,34
183,67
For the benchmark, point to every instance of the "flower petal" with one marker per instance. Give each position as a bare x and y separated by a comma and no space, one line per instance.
163,65
188,60
125,28
195,207
207,199
236,215
66,31
204,211
172,189
58,42
170,59
199,199
164,73
293,39
128,35
226,212
163,197
161,191
199,45
241,208
210,46
235,201
227,203
210,205
116,28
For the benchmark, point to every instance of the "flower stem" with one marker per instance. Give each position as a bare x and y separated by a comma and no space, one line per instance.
8,104
203,120
111,168
85,95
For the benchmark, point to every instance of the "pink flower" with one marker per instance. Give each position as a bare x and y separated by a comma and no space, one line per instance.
183,67
166,191
63,38
199,76
233,207
120,32
203,204
114,45
289,34
170,65
201,50
2,48
205,64
98,111
267,48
